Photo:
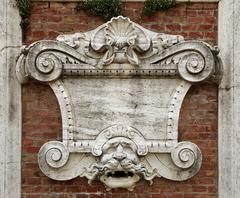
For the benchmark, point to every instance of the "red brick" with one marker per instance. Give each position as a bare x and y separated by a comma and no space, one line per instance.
196,35
197,20
174,27
210,6
199,188
32,181
191,13
32,196
175,196
58,5
27,189
210,20
82,196
208,28
159,196
189,27
54,18
195,6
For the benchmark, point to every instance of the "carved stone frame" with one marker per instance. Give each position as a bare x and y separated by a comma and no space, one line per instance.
120,49
227,184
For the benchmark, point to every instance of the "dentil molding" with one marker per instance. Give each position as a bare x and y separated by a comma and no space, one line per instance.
120,89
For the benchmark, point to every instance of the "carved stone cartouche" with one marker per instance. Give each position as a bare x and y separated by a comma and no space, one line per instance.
120,89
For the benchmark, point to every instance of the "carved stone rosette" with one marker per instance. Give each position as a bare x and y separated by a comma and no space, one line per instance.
120,88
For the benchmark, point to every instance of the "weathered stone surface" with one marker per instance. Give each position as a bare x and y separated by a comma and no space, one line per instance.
10,105
100,103
120,88
229,94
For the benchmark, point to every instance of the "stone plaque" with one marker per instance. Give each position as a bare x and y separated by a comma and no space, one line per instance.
120,88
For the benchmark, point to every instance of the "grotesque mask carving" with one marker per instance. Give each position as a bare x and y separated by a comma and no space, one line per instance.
119,165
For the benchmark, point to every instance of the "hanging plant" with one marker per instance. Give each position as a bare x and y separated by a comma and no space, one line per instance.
104,8
152,6
25,7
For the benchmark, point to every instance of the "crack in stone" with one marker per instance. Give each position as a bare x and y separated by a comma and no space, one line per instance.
7,47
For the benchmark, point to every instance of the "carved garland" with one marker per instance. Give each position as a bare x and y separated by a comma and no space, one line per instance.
120,155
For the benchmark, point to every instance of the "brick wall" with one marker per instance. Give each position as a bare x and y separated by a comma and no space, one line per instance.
198,119
193,20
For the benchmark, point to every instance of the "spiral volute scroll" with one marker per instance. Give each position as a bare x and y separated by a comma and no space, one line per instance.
54,154
44,60
48,67
194,67
186,155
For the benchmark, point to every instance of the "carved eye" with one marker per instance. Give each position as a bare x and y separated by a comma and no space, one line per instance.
110,41
132,40
115,144
125,144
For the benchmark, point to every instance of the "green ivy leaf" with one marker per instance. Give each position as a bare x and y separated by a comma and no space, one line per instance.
151,6
104,8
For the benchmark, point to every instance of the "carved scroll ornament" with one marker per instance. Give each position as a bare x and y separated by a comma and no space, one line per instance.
120,88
